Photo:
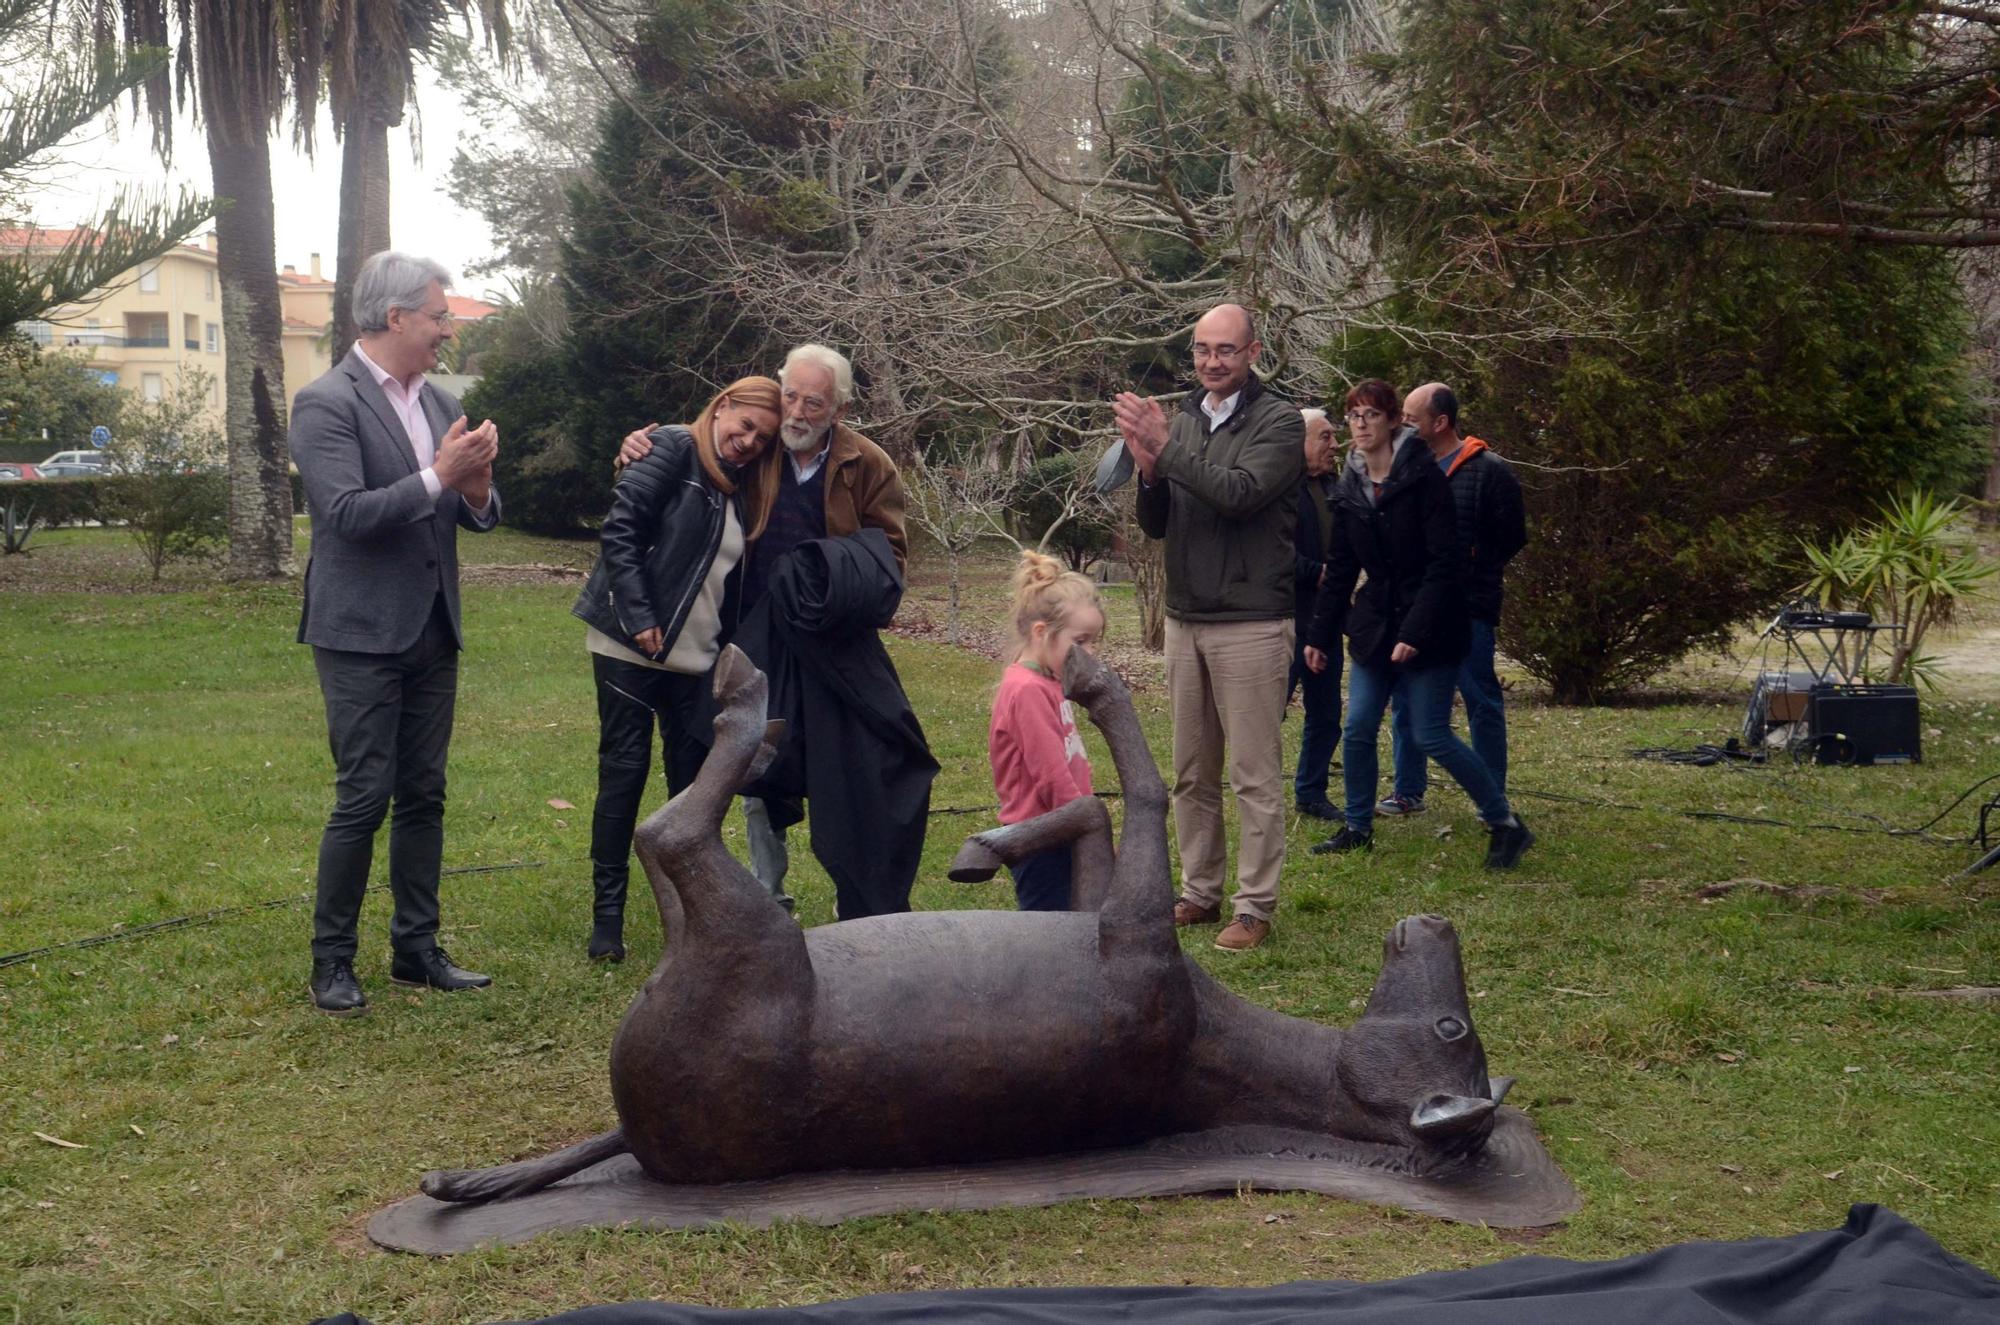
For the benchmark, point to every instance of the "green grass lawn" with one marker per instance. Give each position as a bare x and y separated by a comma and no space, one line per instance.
1728,1068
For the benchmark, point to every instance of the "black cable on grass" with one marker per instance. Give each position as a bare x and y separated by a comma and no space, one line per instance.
1111,795
1881,829
223,912
219,913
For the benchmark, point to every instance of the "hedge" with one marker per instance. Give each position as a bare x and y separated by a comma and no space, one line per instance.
63,501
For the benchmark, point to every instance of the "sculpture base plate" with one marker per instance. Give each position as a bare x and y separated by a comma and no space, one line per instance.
1512,1183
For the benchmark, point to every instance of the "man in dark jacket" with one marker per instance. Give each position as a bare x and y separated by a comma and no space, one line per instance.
1319,692
1218,484
1491,529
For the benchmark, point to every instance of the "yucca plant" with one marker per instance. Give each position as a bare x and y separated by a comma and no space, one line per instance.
17,526
1913,567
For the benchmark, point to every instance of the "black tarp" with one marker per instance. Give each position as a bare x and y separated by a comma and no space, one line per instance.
1879,1268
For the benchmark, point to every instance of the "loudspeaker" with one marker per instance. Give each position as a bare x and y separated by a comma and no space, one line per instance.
1864,724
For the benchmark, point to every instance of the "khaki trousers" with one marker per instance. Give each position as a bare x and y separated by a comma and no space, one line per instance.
1226,688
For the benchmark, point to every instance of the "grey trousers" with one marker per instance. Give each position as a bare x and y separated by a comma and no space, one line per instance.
388,721
770,859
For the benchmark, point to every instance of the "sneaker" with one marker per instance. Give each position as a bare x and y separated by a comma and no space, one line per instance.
1193,913
1396,806
1319,809
1347,839
1508,842
1243,934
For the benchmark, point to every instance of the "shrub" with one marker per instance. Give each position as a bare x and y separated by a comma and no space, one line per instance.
161,495
1913,567
1051,494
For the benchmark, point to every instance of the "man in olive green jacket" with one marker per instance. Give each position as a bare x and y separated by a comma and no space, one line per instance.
1219,482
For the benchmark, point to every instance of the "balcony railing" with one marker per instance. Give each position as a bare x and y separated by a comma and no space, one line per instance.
92,338
192,343
147,342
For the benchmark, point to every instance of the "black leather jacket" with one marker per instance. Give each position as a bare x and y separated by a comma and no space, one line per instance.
657,545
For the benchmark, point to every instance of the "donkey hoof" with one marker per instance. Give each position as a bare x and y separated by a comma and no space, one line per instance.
975,863
1085,678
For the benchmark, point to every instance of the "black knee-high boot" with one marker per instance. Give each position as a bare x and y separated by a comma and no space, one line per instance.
610,863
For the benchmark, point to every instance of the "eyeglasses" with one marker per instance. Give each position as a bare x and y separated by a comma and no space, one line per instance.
1365,416
443,318
1202,351
812,404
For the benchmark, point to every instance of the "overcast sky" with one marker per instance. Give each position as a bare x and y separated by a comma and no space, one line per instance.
92,166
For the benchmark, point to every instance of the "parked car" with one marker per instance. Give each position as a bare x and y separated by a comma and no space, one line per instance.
69,470
12,471
95,458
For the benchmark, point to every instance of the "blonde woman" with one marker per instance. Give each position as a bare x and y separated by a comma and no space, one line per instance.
660,604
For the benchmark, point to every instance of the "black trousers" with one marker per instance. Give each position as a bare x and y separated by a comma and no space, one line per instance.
631,702
388,721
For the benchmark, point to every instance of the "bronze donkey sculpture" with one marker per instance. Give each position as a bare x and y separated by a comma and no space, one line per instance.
756,1049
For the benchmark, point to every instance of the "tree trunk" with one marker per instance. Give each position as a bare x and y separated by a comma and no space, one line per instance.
1146,559
364,213
951,616
260,490
1989,514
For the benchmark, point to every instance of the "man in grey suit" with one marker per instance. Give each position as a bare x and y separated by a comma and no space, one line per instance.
391,471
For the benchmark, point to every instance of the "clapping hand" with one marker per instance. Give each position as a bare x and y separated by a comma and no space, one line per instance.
464,460
1143,425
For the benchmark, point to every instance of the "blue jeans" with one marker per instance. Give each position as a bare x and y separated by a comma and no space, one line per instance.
1426,693
1485,720
1320,692
1042,881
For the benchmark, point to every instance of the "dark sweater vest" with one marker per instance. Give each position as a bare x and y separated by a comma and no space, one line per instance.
798,515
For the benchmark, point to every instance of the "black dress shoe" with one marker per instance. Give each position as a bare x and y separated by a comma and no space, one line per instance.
335,991
1319,809
434,968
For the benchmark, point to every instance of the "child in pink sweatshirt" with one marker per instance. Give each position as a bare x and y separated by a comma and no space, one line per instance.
1038,759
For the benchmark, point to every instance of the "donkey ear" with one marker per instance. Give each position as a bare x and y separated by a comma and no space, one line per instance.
1442,1116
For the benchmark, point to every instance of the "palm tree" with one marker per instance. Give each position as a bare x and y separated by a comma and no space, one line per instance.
247,60
371,68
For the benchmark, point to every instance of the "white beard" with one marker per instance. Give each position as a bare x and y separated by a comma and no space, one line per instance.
802,438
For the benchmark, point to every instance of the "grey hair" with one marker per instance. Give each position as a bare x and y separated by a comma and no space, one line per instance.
393,280
830,359
1311,415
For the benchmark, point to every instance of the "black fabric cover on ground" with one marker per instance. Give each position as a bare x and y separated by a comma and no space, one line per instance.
852,746
1878,1268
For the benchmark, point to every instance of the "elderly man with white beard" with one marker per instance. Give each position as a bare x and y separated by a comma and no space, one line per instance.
836,483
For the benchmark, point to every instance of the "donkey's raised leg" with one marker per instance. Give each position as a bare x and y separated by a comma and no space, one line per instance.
1082,826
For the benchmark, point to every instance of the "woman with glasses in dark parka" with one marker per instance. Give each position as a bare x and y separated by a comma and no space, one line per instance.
1408,628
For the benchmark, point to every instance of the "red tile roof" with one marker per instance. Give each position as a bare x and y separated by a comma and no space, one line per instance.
466,309
21,237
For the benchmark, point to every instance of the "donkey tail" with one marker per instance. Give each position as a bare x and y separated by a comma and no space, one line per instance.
528,1175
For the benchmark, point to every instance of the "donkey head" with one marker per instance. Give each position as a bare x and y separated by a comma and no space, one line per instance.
1413,1062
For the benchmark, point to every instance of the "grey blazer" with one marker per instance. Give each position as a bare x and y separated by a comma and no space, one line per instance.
382,549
